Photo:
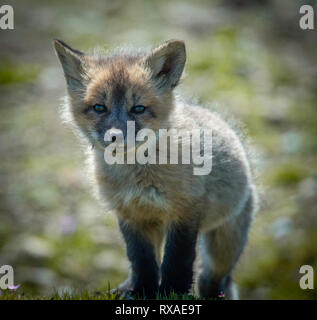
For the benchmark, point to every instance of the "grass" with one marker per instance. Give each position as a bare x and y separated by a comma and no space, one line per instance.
76,294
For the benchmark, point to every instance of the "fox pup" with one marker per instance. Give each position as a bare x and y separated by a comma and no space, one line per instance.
157,203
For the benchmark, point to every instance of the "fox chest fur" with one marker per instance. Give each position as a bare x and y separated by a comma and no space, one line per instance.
148,193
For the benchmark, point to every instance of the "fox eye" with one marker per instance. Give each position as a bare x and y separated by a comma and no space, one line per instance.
99,108
138,109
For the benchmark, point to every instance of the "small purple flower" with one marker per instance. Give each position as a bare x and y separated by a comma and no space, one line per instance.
68,224
14,287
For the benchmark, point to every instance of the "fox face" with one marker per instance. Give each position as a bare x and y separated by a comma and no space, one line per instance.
108,91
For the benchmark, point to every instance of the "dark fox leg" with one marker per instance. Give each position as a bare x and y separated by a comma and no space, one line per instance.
124,289
144,277
179,256
220,250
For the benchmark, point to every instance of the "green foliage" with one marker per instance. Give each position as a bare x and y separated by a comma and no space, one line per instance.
12,74
289,174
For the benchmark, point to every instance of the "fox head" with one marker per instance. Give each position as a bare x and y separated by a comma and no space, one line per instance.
107,91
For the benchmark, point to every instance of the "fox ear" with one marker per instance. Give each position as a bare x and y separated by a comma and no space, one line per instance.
166,63
72,62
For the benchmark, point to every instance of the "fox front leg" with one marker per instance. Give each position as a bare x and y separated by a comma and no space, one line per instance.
177,266
124,289
144,277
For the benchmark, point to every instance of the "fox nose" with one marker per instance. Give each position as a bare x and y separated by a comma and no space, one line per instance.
114,135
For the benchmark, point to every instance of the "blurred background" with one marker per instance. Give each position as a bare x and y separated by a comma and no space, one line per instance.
247,58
